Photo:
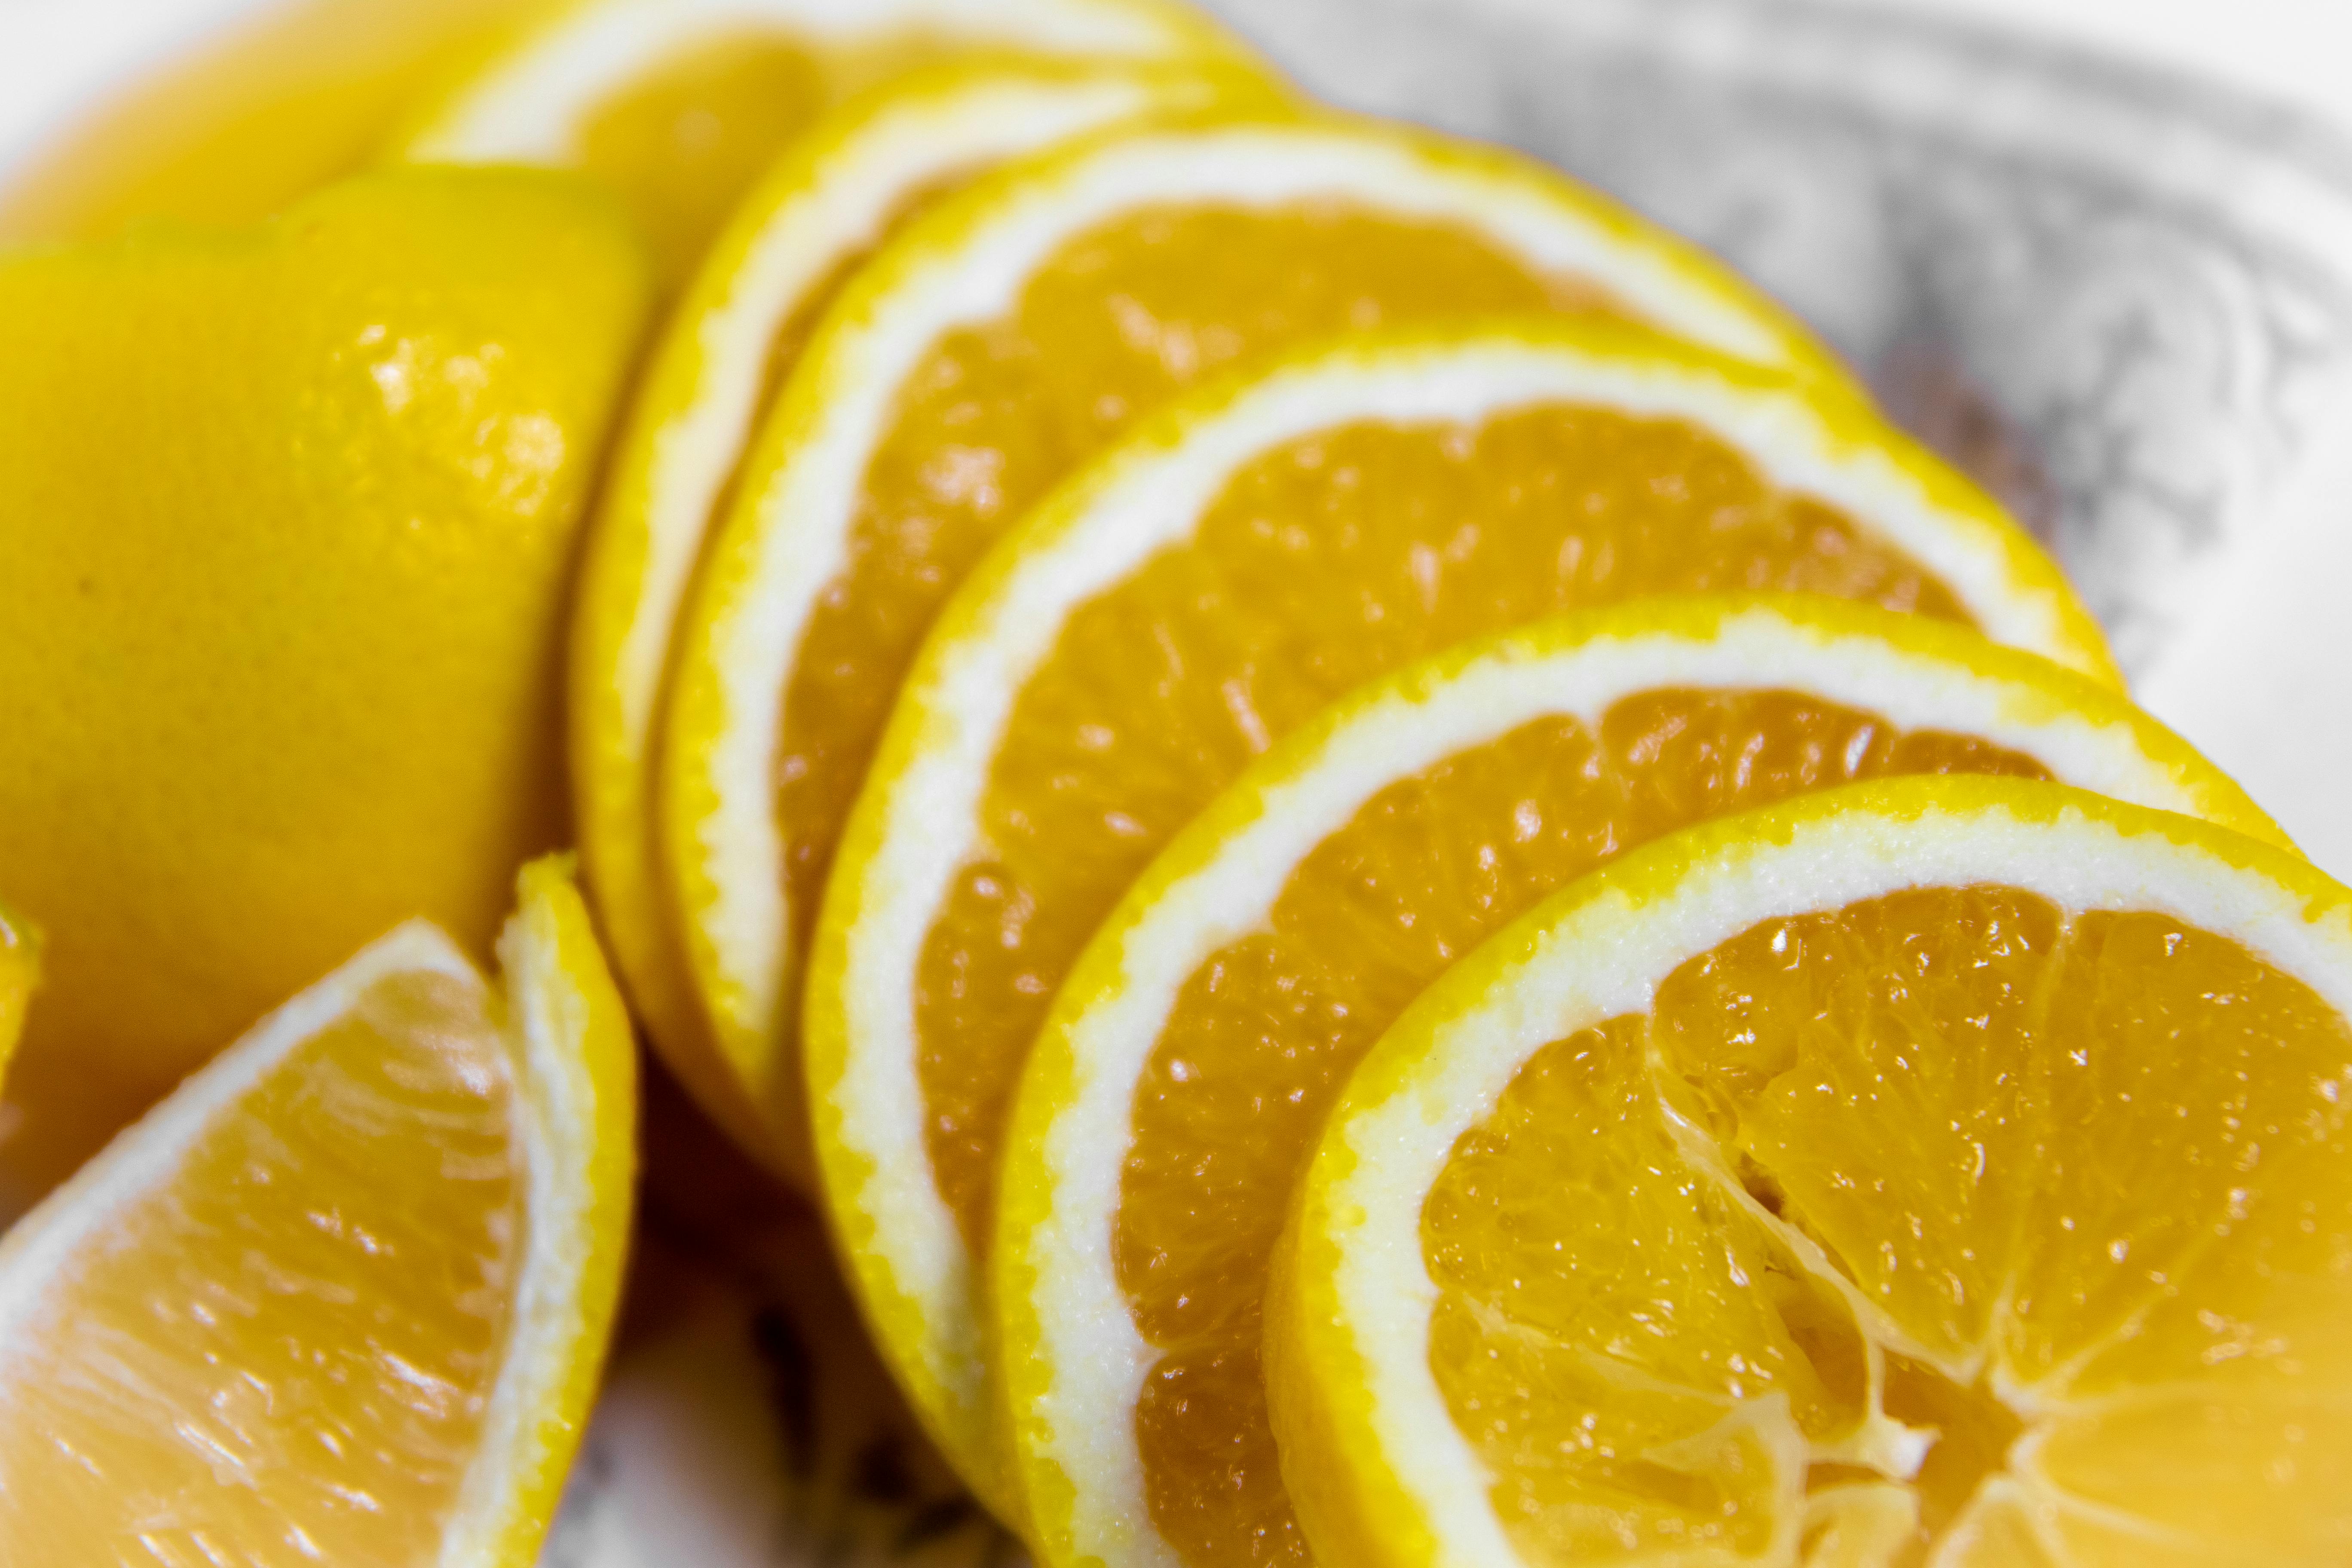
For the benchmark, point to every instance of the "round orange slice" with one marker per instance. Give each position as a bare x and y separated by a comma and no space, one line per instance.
1946,1171
679,105
991,345
859,174
1207,588
1176,1087
342,1297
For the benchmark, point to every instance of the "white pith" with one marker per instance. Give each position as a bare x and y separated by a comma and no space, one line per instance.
952,711
1089,1353
786,544
1602,957
531,108
547,1018
831,212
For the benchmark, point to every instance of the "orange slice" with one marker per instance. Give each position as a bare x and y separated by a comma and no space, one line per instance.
858,174
989,347
1204,589
1177,1083
1942,1171
342,1297
679,105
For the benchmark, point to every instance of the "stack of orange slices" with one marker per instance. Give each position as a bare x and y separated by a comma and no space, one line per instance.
1409,891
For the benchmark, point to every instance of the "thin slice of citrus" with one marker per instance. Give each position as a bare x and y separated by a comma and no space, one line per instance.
860,173
344,1295
680,104
20,971
995,343
1176,1087
1204,589
1953,1172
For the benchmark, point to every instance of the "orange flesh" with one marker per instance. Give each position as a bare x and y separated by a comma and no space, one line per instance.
1111,325
1264,1034
2096,1169
686,142
1326,563
283,1356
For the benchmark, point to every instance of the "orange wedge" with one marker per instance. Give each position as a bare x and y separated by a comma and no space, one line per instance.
1953,1172
344,1295
1208,586
1177,1083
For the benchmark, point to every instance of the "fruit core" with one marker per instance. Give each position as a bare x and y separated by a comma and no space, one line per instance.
1263,1035
1947,1222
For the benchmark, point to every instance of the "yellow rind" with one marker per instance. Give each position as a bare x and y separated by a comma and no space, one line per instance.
1350,1502
20,974
2037,691
730,1070
903,1322
565,1018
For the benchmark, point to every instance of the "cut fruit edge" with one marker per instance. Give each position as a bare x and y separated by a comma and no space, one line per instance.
1382,1474
526,99
575,1062
828,199
720,848
20,976
1072,1362
917,818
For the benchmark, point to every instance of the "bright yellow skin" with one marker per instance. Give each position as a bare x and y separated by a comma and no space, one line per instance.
20,972
2006,1225
233,131
286,521
370,1271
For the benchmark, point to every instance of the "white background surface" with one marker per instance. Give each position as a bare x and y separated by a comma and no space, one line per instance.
58,56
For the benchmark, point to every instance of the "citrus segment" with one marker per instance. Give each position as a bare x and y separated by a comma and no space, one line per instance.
858,174
363,1266
998,340
1971,1140
286,525
1177,1085
679,107
1212,583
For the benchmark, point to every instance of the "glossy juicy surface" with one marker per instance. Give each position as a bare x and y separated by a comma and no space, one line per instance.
1325,563
1976,1228
1264,1034
282,1354
1116,321
692,133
